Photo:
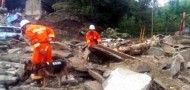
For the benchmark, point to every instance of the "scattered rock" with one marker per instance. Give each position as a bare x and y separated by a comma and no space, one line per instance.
185,76
185,54
143,68
185,41
20,72
93,85
2,71
14,50
186,87
10,80
28,49
156,51
13,57
28,87
168,49
71,80
177,64
160,83
169,39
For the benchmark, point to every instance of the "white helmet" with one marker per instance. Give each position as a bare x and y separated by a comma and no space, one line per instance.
23,23
92,27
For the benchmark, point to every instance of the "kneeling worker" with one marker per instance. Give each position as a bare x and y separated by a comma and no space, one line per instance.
92,37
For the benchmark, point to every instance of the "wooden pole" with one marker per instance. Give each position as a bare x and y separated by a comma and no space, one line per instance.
152,18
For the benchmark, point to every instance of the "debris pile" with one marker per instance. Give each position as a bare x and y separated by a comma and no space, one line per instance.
165,63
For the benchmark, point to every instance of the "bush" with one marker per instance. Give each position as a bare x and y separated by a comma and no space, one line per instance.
128,25
60,6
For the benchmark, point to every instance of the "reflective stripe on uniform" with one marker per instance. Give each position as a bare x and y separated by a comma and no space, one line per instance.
46,48
36,45
51,35
39,29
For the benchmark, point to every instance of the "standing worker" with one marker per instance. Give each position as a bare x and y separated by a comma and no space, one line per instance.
40,37
92,37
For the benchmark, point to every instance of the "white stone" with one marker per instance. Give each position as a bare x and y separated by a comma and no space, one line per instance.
123,79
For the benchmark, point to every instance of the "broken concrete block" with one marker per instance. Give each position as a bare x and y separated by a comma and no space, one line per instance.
14,50
186,87
28,49
169,39
10,80
156,51
188,65
184,41
71,80
168,49
185,54
177,64
93,85
123,79
143,68
29,87
159,83
185,76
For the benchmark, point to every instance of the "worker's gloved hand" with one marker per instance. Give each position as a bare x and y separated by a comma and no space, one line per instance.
42,51
99,40
50,40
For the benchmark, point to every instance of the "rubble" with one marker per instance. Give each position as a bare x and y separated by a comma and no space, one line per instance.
156,51
177,64
92,67
9,80
186,87
14,50
184,76
93,85
185,54
143,68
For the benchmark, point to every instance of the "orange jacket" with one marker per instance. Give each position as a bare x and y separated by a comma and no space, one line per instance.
39,34
92,38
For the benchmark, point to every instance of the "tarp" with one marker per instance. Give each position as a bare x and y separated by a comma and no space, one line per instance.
12,18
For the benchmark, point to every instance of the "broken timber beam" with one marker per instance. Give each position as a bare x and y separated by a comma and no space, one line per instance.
114,53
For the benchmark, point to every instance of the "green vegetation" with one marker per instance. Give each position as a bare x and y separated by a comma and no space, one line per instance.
130,16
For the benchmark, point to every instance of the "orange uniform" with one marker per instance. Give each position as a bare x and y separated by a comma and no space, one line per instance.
92,38
39,35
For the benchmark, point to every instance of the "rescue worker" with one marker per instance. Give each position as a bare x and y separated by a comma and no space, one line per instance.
92,37
40,37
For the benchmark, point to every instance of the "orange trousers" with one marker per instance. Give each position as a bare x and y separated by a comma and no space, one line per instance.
38,57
